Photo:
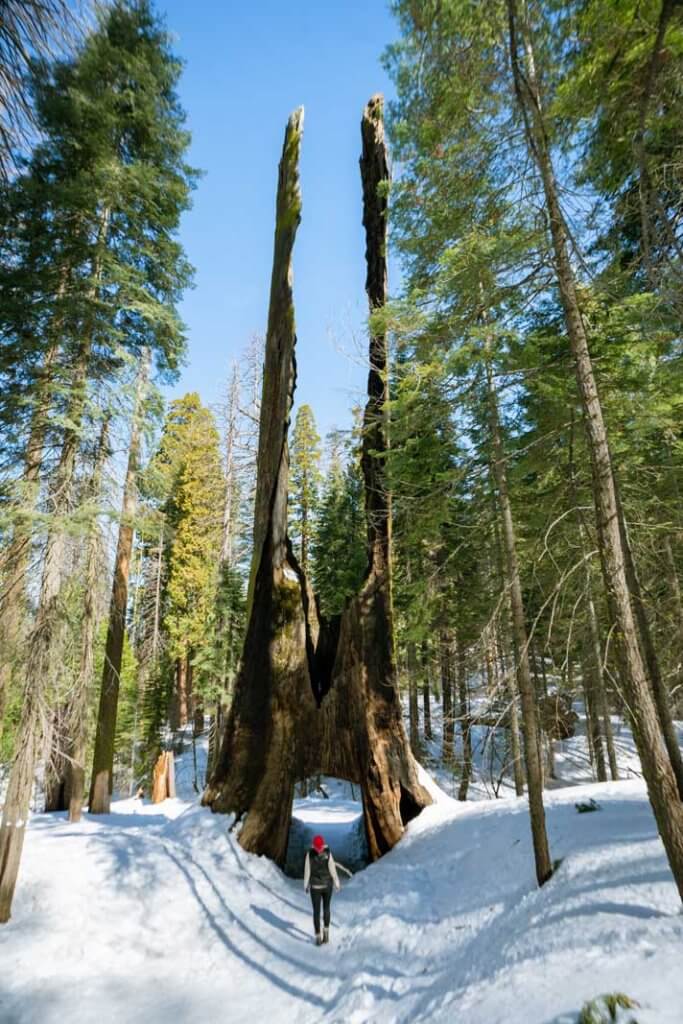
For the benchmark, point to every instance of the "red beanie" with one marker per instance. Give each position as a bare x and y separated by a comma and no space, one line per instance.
318,843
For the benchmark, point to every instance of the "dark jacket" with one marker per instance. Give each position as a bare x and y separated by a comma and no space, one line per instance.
320,871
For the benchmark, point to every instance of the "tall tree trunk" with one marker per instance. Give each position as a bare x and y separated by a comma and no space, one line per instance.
656,763
75,787
510,690
315,696
16,559
426,695
675,587
530,726
465,721
593,719
102,780
42,665
447,697
413,706
659,689
602,700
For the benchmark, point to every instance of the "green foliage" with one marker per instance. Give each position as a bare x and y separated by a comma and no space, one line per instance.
217,660
304,478
606,1009
339,554
189,476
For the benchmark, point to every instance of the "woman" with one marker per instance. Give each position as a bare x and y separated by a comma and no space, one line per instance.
320,874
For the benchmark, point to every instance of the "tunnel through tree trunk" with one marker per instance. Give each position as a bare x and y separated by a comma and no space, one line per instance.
316,696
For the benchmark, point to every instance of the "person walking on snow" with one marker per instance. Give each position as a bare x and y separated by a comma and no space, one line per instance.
320,874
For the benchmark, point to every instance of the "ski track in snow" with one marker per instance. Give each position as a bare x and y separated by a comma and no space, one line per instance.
156,914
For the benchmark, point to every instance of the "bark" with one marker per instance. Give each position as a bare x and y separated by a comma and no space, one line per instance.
530,725
426,695
314,696
16,559
75,781
447,697
515,733
42,664
593,719
182,701
163,778
603,703
413,706
675,587
659,689
101,783
654,757
465,723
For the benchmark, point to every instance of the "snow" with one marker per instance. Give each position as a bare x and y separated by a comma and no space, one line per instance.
155,913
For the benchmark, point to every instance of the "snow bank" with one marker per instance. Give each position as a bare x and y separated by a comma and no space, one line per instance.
154,914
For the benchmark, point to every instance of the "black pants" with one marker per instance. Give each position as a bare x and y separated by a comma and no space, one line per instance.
319,896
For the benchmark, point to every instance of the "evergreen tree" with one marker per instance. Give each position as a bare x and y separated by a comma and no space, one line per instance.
98,208
304,471
191,483
338,555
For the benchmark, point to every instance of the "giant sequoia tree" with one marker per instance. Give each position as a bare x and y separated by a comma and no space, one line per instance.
317,695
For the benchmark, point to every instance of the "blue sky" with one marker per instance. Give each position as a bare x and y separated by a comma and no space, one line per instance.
248,65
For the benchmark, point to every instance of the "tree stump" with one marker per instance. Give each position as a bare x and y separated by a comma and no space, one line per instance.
163,778
316,696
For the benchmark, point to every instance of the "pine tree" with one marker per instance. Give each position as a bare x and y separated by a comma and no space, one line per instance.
105,190
338,556
305,482
192,486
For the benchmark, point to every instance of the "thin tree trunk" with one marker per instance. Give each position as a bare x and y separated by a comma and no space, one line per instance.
659,689
447,696
43,659
465,722
675,587
413,707
603,704
656,763
426,695
16,559
530,728
593,720
102,780
510,690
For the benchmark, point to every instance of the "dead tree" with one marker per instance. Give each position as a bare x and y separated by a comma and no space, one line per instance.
316,696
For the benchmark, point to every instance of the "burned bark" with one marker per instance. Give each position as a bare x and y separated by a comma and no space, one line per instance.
316,696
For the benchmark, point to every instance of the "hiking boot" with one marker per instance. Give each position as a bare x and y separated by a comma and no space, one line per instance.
319,939
326,934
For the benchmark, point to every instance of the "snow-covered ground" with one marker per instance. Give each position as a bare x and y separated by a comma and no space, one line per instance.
155,914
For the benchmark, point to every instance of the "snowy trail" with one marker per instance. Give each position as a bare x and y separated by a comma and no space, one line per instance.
156,914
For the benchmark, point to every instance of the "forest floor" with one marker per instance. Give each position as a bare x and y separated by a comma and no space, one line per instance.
155,914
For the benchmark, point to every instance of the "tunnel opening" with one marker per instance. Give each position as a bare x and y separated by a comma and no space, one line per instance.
332,808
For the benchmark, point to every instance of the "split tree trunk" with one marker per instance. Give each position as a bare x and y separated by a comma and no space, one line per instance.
656,763
101,783
313,696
